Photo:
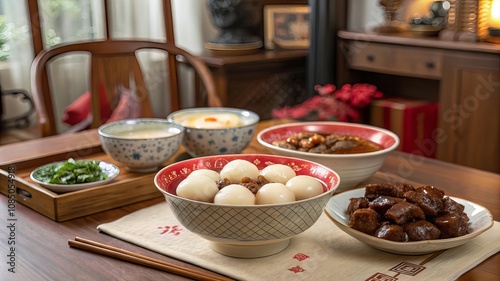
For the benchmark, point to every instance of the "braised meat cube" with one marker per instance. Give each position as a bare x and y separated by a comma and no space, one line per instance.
392,232
401,213
400,189
465,217
343,145
451,225
421,230
404,212
451,206
382,203
431,190
373,191
364,220
284,144
430,203
320,148
357,203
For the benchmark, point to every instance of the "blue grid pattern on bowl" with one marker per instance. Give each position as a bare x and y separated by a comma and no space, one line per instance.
245,223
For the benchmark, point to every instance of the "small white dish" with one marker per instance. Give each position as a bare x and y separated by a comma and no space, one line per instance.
109,169
480,221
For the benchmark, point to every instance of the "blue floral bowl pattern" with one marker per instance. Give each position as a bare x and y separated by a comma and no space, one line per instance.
141,145
205,142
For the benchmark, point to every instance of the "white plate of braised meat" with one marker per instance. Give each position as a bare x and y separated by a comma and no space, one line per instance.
407,220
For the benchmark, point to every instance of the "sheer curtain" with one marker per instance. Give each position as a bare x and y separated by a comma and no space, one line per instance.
77,20
14,73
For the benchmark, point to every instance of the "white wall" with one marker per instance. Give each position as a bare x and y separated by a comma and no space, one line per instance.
193,26
363,15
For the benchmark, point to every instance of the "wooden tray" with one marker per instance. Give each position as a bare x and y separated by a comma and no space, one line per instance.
125,189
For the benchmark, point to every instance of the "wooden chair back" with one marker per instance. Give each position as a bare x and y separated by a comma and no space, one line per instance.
113,63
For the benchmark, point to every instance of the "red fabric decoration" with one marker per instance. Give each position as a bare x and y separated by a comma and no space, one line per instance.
80,109
332,104
129,106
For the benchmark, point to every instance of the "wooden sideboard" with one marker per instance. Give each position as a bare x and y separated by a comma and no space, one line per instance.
258,80
463,77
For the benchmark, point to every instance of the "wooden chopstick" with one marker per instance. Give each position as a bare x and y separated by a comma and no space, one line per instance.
114,252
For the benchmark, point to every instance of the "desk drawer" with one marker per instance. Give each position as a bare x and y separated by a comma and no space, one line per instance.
398,60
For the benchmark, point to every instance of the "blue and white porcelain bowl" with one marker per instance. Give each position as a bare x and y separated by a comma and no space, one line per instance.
215,130
141,145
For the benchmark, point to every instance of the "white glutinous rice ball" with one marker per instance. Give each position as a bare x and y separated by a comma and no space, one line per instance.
205,172
274,193
238,169
278,173
304,187
234,194
199,188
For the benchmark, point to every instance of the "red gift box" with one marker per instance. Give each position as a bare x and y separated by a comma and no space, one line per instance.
413,121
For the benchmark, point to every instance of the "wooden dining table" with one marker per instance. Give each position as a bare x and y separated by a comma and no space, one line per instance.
41,252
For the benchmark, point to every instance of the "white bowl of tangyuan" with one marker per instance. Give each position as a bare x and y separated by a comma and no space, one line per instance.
282,199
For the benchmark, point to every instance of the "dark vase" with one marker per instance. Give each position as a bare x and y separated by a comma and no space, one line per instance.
239,22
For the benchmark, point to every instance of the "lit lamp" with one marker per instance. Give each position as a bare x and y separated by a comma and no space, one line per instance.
494,21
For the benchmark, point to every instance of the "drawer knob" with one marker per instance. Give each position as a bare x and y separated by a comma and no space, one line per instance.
370,58
430,65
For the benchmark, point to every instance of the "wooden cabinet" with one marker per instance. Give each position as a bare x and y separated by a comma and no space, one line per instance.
260,80
464,78
469,110
397,60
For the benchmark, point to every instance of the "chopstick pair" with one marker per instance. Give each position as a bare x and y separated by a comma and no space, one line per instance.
114,252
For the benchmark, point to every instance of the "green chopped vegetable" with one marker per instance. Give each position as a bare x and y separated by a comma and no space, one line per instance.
72,172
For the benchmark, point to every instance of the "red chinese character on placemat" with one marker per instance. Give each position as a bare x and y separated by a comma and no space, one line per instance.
408,268
300,257
381,277
175,230
296,269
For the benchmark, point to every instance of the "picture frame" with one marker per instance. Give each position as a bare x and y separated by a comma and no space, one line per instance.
286,26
